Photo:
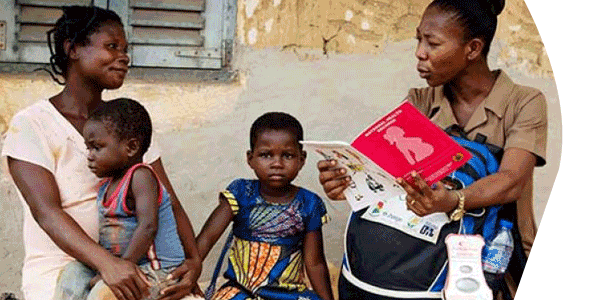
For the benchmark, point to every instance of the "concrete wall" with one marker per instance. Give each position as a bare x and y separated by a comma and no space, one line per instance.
335,88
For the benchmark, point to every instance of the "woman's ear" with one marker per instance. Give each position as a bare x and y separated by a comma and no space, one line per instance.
474,48
70,49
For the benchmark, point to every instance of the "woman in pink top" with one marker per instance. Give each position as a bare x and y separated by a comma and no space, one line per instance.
46,157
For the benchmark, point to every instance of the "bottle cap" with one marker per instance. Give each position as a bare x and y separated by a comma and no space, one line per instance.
506,223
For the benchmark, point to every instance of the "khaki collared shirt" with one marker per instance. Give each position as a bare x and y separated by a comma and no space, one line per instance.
511,116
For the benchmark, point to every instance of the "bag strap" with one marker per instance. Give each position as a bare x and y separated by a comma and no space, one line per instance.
213,282
518,260
505,291
507,211
480,138
454,129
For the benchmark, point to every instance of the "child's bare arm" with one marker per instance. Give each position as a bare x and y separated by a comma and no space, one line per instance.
316,266
214,227
144,190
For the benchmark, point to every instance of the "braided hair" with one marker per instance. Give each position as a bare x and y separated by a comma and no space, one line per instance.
478,18
75,25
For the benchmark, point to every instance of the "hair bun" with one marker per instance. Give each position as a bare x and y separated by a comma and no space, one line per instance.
495,6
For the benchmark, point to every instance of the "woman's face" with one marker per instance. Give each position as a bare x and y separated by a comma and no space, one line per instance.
104,60
441,50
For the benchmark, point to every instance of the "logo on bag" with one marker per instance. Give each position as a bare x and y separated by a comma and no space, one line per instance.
458,157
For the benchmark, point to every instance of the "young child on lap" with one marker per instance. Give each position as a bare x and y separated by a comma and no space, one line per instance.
276,225
136,218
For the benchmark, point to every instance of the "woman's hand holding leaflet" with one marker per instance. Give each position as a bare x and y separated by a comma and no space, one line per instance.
333,179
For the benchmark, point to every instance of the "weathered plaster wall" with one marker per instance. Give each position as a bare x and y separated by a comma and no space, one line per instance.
202,127
358,26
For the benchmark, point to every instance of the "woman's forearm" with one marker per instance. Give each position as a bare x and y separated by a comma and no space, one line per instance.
499,188
186,233
40,191
70,238
504,186
516,169
184,226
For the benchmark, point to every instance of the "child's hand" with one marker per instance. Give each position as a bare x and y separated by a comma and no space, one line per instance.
124,279
196,291
95,280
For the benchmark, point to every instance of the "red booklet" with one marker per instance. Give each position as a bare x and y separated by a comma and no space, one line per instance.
398,143
405,140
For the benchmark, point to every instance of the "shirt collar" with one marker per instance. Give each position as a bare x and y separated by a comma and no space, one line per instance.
494,102
68,128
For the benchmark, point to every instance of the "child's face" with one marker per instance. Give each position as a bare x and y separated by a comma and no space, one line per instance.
276,158
106,154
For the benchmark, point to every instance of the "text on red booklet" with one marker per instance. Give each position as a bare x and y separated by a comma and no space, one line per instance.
405,140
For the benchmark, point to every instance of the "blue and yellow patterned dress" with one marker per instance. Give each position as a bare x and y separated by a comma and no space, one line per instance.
265,261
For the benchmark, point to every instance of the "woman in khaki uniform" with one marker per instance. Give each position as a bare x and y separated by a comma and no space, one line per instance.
454,38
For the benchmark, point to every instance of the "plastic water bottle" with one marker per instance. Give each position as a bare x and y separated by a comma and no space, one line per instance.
496,253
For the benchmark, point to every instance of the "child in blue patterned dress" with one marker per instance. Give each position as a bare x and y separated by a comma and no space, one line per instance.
136,218
276,225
